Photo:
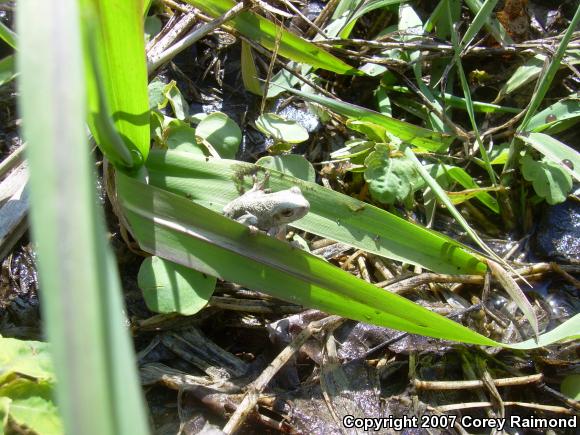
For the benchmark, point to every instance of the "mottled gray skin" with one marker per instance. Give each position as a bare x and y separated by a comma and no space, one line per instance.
269,212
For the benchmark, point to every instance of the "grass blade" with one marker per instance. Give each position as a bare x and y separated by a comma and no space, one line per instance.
265,32
557,117
555,150
98,390
546,79
418,136
114,32
7,35
493,26
7,70
174,228
181,231
213,183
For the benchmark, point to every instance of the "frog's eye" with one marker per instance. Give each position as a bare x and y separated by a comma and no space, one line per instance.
287,212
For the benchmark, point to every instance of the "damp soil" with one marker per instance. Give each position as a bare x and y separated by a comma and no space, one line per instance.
373,370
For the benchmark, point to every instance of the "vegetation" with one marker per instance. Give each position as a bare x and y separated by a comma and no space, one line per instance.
396,84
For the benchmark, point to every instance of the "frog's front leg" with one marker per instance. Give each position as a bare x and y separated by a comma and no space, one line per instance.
249,220
278,232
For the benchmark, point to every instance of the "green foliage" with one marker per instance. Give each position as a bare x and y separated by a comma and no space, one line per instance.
98,390
116,76
555,151
218,246
7,72
213,183
221,133
172,288
418,136
550,181
291,164
280,129
270,35
557,117
181,137
194,236
175,99
447,174
26,387
391,178
570,387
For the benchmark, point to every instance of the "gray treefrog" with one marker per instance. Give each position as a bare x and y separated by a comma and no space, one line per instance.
268,211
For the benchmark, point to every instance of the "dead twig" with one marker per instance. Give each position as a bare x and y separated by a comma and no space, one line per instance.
253,390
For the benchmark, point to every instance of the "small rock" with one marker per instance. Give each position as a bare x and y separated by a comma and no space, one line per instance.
558,235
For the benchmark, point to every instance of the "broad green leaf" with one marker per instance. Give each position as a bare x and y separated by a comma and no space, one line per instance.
354,150
183,232
97,390
32,406
7,35
390,179
418,136
249,71
214,183
28,358
526,73
373,132
280,129
266,33
172,288
555,118
550,181
37,414
176,100
570,387
157,98
557,152
181,137
115,30
291,164
7,70
221,133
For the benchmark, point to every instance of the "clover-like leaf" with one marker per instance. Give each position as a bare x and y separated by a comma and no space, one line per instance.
172,288
280,129
221,133
390,179
550,181
181,137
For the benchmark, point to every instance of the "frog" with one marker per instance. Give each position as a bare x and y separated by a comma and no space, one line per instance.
263,210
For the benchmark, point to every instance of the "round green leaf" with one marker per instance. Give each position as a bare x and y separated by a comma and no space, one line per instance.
390,178
222,133
550,181
291,164
181,137
172,288
280,129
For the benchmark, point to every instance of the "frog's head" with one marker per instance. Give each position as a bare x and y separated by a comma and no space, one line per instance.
292,207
